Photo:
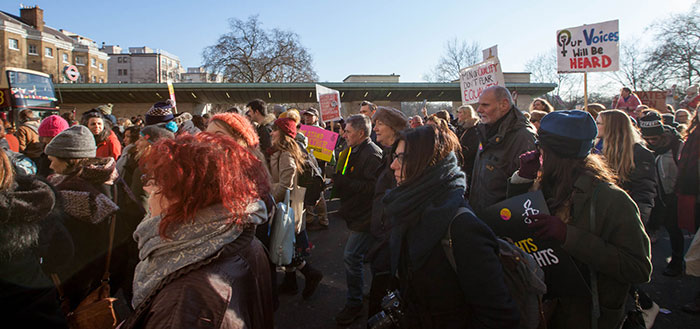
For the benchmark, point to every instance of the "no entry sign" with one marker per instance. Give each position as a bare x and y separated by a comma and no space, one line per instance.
71,72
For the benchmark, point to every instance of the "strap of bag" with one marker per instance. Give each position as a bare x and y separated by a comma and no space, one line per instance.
112,228
447,240
595,306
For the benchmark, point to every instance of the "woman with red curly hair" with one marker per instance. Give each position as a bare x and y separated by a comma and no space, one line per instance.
197,250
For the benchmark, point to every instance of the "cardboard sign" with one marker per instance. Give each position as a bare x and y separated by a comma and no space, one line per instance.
474,79
329,102
490,52
510,218
171,91
653,99
589,48
321,141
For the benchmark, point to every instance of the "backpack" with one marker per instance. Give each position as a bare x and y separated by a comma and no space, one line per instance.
311,178
282,233
524,278
22,164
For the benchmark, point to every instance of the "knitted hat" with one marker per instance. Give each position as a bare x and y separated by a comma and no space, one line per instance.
240,125
287,126
52,125
154,133
669,120
180,118
160,112
569,134
311,111
73,143
106,109
651,124
391,117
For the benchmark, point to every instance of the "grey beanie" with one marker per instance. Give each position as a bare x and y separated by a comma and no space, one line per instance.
73,143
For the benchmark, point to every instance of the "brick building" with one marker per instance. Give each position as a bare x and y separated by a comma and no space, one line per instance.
142,65
28,43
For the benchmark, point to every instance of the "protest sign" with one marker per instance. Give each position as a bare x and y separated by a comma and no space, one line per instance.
653,99
321,141
171,91
490,52
589,48
329,102
474,79
510,218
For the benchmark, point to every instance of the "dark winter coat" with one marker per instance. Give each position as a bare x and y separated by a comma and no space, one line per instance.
33,243
641,184
356,187
617,249
380,227
497,158
264,130
231,289
469,140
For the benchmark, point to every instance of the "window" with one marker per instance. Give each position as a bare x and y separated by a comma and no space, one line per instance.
126,72
119,71
119,59
48,52
79,60
102,80
31,49
93,62
125,59
14,44
102,66
94,79
65,58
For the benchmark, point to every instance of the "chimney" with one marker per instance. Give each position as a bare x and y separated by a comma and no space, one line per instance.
33,16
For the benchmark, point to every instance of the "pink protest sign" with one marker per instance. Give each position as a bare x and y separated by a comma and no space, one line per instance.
321,141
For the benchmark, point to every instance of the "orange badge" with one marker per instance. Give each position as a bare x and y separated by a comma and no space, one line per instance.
505,214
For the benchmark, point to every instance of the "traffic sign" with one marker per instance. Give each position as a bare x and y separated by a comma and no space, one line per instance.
71,72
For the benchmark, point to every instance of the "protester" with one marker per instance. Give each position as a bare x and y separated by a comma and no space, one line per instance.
445,115
48,129
286,164
577,185
316,208
422,207
132,173
9,137
467,119
388,123
70,118
264,120
106,111
639,111
682,116
368,109
355,188
415,121
691,99
108,144
84,185
131,135
540,104
594,108
299,138
32,244
198,254
665,142
536,117
626,101
504,133
28,136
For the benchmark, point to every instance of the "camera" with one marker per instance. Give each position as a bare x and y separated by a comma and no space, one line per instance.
391,312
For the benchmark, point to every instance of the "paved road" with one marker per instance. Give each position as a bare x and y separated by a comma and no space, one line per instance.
320,310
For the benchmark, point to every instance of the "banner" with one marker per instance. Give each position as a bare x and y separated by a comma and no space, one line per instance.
321,141
653,99
510,218
589,48
474,79
329,102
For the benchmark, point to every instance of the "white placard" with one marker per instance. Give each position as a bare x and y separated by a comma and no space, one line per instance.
474,79
490,52
589,48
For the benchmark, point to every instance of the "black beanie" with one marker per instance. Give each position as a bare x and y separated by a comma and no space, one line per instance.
651,124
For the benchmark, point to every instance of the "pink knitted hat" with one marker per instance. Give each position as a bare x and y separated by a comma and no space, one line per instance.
52,125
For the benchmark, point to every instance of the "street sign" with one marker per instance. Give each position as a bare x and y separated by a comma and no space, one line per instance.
71,73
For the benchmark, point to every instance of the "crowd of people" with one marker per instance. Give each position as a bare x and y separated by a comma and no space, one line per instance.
173,212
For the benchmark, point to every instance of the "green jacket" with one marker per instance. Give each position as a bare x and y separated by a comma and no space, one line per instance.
617,249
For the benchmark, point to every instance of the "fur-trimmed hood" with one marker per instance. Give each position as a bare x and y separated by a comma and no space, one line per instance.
22,207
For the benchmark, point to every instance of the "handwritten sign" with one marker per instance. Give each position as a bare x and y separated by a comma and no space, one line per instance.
329,102
653,99
490,52
510,218
474,79
589,48
321,141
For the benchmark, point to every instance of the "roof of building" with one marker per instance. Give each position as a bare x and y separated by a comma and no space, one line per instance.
17,20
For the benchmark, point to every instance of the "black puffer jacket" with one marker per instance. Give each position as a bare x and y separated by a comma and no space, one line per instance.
30,232
641,184
356,187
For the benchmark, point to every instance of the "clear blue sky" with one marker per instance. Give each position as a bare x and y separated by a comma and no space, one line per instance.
352,37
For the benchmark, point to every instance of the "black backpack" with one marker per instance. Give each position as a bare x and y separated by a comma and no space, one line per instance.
524,278
311,178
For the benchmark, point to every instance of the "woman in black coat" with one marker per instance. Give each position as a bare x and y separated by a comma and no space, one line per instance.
430,192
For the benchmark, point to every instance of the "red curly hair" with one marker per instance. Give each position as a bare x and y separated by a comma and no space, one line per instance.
194,172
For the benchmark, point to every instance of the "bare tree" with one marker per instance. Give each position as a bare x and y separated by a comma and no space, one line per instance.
250,54
543,68
676,55
634,69
458,55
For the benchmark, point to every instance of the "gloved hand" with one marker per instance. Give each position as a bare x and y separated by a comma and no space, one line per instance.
529,164
548,227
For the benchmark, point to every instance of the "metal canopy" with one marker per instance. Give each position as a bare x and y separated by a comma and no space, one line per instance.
232,93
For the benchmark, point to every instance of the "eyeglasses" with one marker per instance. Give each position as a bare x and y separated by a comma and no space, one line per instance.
399,157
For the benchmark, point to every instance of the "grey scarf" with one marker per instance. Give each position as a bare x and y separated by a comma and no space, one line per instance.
192,242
